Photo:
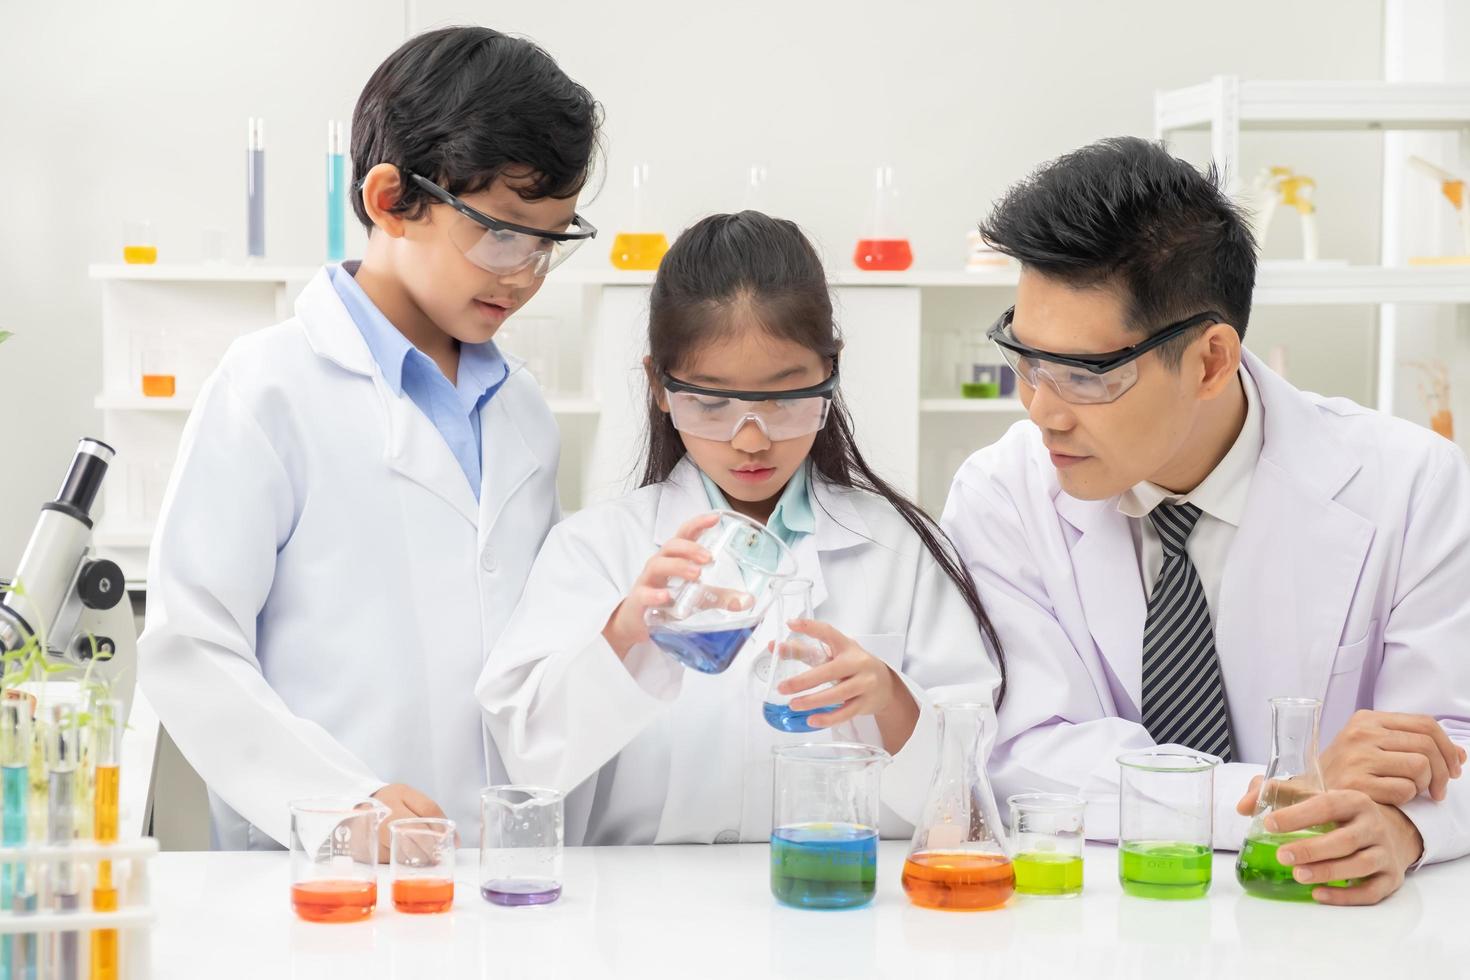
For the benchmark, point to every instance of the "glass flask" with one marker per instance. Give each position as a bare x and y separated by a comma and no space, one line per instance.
794,654
640,247
958,859
884,248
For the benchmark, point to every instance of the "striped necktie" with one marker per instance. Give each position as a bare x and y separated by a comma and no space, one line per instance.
1183,694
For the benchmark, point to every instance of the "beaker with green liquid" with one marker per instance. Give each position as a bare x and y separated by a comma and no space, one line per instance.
1292,776
1166,807
1046,843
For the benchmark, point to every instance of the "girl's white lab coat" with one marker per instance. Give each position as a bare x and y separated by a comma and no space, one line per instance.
323,584
660,754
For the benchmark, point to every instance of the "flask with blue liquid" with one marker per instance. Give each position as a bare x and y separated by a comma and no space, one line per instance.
793,655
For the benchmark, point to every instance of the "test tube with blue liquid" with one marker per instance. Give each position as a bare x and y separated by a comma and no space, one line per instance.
711,618
15,757
336,193
825,808
793,655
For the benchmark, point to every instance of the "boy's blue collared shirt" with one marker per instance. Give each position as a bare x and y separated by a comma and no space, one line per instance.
793,515
452,407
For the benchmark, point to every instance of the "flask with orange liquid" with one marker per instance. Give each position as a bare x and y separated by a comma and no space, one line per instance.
639,248
884,249
958,860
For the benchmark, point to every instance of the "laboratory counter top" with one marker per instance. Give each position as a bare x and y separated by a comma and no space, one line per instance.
707,911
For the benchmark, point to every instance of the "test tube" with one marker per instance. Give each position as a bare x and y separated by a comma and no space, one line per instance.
336,193
107,729
61,825
15,751
255,188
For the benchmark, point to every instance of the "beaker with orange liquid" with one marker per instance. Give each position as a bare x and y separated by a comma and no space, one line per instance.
139,245
639,249
884,248
157,367
334,858
421,856
958,859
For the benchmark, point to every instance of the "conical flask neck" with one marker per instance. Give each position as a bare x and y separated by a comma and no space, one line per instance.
1294,738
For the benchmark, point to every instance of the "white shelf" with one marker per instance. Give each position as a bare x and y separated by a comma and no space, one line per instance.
843,277
1300,284
1320,106
574,406
203,272
956,406
128,402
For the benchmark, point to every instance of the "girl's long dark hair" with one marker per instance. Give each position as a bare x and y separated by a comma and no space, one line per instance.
766,269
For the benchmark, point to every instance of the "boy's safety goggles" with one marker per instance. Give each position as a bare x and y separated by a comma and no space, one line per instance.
718,414
1085,379
504,248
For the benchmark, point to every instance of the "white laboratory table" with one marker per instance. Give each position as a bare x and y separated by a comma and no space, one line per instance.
696,912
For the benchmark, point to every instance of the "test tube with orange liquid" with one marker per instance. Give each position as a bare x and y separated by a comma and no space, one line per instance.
107,742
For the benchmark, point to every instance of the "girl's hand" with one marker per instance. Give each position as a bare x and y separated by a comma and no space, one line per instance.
680,557
862,684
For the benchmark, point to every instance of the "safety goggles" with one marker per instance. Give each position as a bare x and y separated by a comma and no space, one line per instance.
718,413
504,248
1085,379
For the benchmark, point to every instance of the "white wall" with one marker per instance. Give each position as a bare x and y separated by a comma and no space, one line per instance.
131,108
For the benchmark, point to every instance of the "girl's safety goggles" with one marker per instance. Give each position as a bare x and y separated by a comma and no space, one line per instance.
1085,379
504,248
718,414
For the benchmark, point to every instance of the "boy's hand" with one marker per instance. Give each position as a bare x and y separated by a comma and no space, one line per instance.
1371,843
680,557
862,684
402,802
1392,757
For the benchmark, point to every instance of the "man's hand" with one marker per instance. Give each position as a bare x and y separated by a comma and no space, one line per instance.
1371,843
1392,757
402,802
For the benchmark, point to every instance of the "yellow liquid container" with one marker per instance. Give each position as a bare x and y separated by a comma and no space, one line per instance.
159,385
108,740
639,251
140,254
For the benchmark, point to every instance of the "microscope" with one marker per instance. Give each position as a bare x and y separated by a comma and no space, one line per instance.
66,599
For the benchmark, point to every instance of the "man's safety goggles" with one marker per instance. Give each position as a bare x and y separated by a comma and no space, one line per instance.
718,414
504,248
1085,379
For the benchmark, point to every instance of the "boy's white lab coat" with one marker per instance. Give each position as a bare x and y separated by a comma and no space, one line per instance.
1348,580
661,754
323,584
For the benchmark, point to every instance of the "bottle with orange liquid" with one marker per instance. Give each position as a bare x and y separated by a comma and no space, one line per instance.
639,249
958,860
884,249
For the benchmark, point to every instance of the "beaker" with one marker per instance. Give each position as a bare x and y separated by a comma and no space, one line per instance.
1046,843
158,365
421,864
1165,823
958,859
708,620
1292,776
140,246
883,248
793,655
824,811
334,857
520,845
640,247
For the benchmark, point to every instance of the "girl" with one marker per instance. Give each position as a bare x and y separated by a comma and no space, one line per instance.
578,697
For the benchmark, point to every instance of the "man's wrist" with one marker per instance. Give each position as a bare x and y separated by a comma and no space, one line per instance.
1406,834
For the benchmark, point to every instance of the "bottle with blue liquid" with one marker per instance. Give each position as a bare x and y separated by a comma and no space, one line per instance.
793,655
711,618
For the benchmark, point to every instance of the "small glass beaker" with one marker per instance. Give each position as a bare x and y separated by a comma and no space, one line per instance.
958,858
158,365
709,619
824,814
334,857
140,247
793,655
1046,843
520,845
1166,806
421,859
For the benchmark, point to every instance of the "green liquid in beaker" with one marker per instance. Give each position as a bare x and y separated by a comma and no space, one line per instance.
1047,873
1165,869
1261,874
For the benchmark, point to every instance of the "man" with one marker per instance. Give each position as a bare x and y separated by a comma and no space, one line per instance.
1177,535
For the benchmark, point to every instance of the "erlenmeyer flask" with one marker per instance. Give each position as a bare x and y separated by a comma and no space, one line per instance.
958,860
794,654
884,248
1293,775
640,247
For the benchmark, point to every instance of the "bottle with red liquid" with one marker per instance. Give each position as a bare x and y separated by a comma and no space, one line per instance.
884,249
959,860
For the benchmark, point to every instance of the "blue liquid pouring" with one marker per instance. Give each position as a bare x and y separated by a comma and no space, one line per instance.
824,865
707,652
782,718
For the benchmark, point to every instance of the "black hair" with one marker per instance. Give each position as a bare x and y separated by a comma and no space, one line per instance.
461,106
1124,212
749,263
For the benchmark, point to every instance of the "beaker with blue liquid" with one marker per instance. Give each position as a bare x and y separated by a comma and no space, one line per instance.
793,655
825,808
710,619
